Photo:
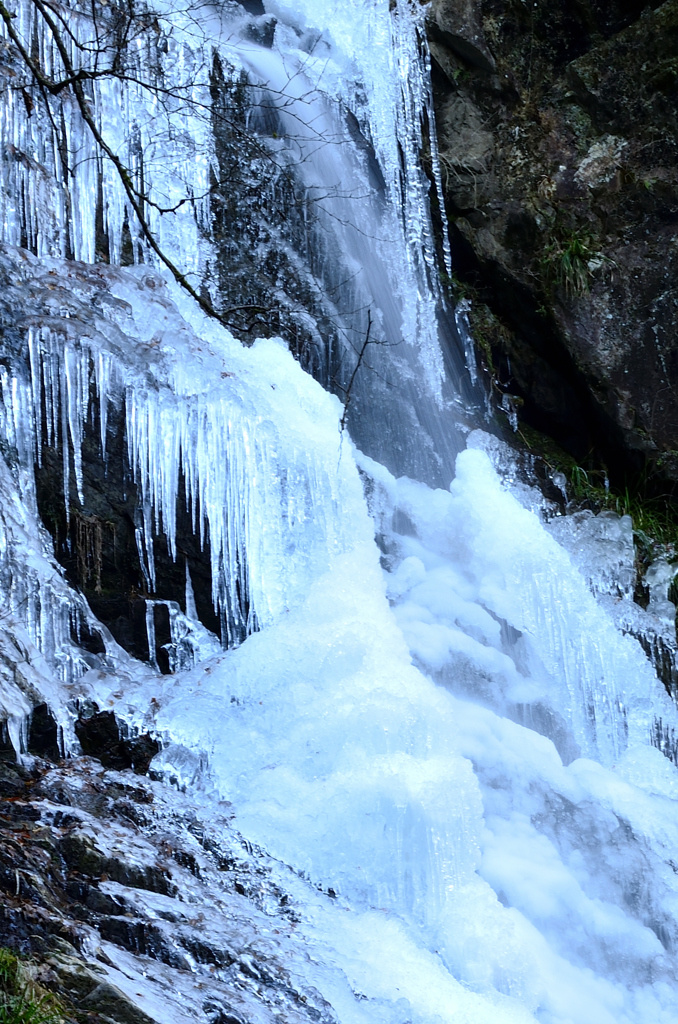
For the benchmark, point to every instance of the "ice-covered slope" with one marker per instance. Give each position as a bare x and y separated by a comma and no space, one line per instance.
415,795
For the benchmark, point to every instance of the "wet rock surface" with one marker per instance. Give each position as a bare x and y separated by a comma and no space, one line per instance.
103,737
107,878
560,161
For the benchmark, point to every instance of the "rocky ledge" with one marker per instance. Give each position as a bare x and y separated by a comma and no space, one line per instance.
126,907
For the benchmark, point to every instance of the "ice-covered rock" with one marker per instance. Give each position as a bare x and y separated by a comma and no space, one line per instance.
601,546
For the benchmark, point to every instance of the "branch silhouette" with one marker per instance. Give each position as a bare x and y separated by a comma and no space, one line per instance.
106,58
363,349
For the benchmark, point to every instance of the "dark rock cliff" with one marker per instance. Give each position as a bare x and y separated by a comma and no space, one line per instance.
558,131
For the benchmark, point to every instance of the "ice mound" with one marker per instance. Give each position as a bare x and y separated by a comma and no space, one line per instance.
427,802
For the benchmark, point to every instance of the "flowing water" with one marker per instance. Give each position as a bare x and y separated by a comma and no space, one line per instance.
443,725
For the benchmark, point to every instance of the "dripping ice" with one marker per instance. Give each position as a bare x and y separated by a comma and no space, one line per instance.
450,731
52,183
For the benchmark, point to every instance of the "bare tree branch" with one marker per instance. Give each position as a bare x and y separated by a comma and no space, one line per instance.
74,80
361,355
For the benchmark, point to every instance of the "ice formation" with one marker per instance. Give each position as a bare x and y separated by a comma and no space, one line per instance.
446,730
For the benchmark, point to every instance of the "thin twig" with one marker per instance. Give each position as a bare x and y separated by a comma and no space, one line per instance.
363,349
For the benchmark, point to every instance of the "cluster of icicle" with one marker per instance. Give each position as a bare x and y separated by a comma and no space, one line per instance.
41,614
42,618
254,509
394,50
55,181
187,440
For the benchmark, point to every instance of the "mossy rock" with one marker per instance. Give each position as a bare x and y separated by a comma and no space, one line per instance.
22,999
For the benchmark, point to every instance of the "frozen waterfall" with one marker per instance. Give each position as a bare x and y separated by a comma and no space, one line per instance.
441,729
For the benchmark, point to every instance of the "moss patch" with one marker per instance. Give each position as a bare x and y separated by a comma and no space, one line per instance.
22,1001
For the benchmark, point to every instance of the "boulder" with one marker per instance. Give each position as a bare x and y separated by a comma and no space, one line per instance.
458,24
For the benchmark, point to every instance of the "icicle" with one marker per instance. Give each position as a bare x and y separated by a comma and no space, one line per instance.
461,319
102,371
63,402
139,538
35,357
56,172
17,728
150,632
191,610
76,411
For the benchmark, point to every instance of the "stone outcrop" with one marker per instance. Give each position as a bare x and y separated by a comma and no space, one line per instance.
458,25
558,134
129,908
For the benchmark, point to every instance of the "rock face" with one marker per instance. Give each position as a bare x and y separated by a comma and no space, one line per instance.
559,147
132,909
458,25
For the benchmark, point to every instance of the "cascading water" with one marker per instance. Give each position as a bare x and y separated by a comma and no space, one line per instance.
449,733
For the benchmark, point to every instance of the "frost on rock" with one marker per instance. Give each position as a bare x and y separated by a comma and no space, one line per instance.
602,548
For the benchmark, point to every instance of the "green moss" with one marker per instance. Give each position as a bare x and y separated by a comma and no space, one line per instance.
489,332
21,1000
9,967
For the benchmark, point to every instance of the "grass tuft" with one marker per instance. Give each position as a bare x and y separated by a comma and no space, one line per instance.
21,1002
569,260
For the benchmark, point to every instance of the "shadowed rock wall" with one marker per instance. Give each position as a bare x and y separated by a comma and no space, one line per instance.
559,144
